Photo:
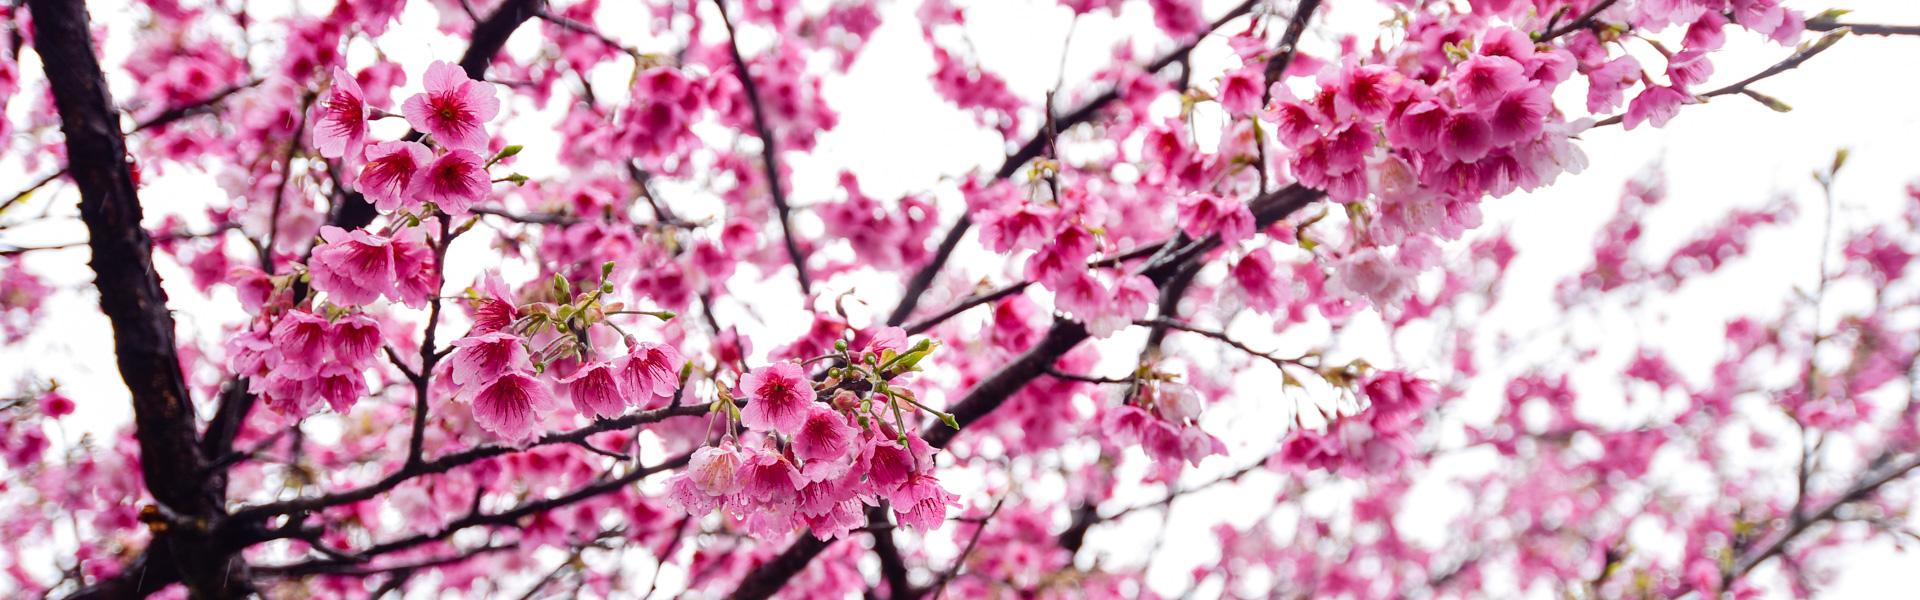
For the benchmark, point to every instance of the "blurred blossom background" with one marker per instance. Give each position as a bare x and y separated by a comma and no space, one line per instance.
902,138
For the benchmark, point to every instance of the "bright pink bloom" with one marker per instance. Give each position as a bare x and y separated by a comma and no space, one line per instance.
455,182
1240,91
454,109
824,435
1483,80
921,503
1204,214
508,405
1607,83
1519,116
778,397
342,125
1257,283
415,277
595,391
388,175
356,338
303,340
479,359
352,267
1024,226
1366,92
341,385
1418,127
54,404
651,370
769,477
1465,137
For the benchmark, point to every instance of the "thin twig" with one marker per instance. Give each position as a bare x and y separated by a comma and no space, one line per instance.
769,153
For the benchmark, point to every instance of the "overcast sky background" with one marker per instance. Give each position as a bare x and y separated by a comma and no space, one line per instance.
1731,152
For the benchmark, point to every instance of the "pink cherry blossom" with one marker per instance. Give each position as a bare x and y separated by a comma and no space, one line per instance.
388,177
342,124
354,267
454,109
595,391
778,397
455,182
480,359
510,404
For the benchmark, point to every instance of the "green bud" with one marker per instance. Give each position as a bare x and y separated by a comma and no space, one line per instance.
950,421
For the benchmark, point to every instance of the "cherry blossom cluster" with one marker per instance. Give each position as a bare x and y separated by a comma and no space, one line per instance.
822,460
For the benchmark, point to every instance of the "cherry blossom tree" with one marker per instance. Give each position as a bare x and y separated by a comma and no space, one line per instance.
444,356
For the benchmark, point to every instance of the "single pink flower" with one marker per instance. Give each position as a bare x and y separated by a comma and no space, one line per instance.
778,397
1520,116
56,405
715,470
454,109
1654,106
482,358
508,406
415,277
1483,80
595,391
1465,137
355,339
886,464
303,341
769,477
342,125
651,370
455,182
352,267
388,175
341,385
824,435
495,310
921,503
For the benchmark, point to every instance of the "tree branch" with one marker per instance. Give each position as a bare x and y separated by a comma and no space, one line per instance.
769,153
922,279
135,304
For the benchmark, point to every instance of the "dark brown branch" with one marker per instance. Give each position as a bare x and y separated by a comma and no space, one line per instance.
769,152
893,569
511,517
133,300
462,458
360,569
768,578
922,279
1583,21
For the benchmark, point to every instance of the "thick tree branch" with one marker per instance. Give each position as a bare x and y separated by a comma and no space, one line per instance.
135,304
768,578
